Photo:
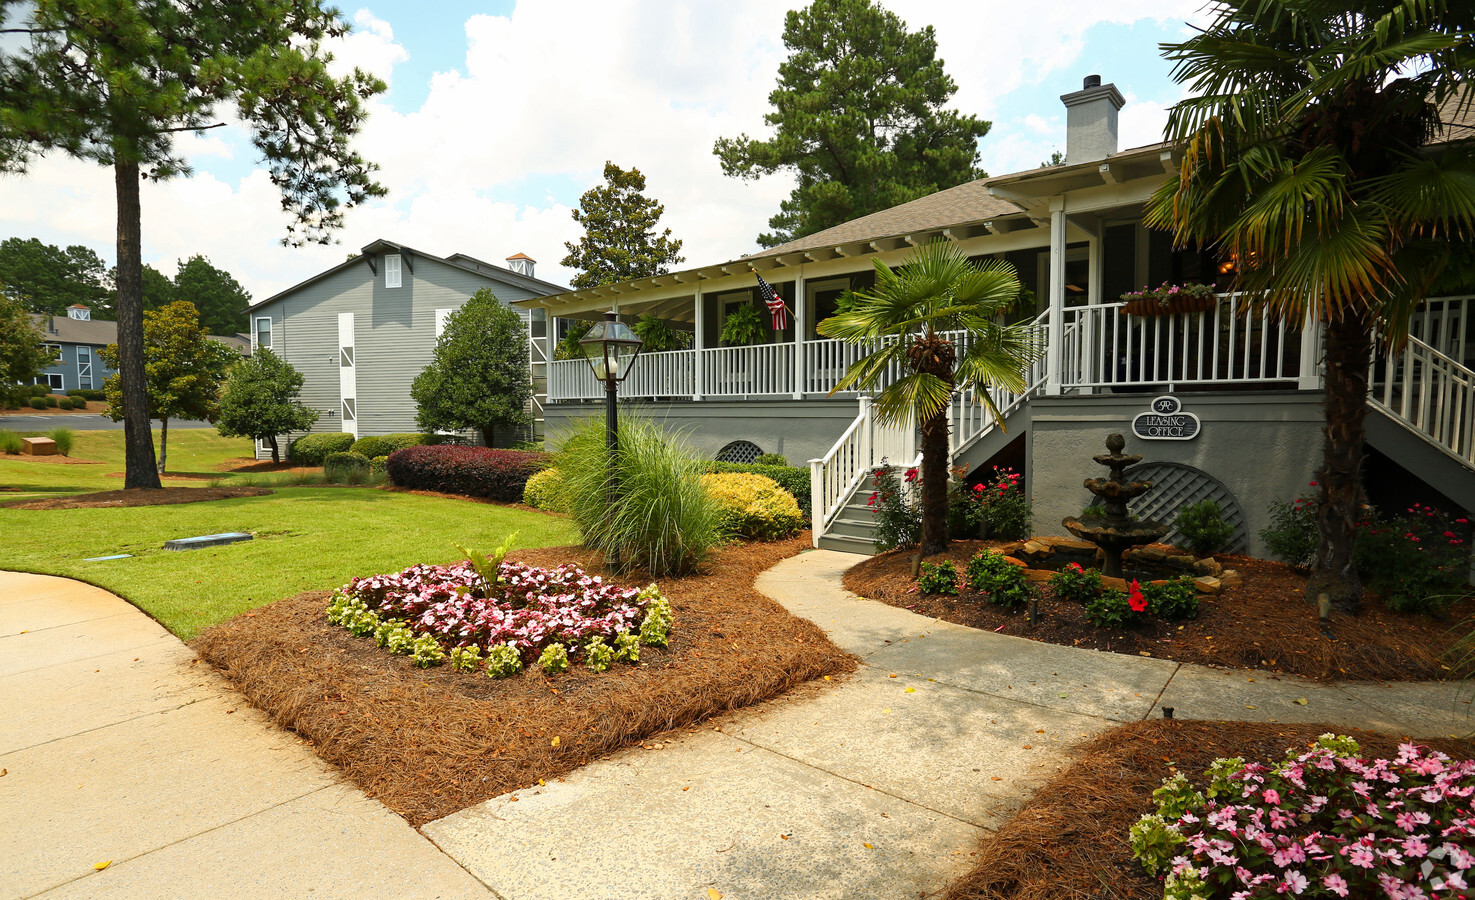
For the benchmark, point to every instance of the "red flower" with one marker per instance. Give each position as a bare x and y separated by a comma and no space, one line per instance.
911,475
1135,598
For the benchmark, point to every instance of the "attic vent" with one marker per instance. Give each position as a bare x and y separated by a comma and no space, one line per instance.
740,452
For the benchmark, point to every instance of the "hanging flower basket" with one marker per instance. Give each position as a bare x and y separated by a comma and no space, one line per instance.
1170,299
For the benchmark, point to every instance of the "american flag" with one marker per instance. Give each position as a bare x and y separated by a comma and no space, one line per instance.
775,304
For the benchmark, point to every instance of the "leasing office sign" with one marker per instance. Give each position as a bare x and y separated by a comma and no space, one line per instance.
1166,421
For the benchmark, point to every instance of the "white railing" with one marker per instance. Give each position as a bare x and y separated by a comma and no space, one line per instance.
971,419
1443,323
1231,343
671,373
1430,392
760,370
572,379
836,475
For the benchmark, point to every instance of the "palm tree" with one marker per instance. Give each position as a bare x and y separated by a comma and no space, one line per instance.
936,290
1314,158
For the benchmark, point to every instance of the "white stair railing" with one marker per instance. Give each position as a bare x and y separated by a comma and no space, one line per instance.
834,477
971,419
1429,392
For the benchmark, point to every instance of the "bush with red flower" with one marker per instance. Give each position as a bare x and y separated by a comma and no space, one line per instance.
1325,823
1000,508
1114,609
898,508
1076,584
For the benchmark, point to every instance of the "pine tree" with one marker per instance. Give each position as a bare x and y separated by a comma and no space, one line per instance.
620,240
858,117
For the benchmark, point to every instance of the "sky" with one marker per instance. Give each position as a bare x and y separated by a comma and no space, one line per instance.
500,113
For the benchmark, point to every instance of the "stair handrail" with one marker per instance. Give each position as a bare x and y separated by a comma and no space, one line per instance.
971,428
1445,398
835,475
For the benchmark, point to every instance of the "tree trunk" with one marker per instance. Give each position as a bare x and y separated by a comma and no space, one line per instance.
486,436
275,456
1339,483
138,437
934,484
163,442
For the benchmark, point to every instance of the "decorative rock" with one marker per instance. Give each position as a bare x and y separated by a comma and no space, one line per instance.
1016,562
1148,555
38,446
1207,566
1114,584
1230,578
1060,543
1035,549
1011,548
1037,576
1208,584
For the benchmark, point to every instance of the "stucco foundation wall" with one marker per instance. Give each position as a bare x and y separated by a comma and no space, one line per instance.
799,429
1262,446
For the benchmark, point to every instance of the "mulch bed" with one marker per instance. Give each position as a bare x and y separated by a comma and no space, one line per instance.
139,497
428,742
1265,623
1070,840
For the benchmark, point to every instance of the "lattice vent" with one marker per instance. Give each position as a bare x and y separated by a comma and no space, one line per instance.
1175,486
740,452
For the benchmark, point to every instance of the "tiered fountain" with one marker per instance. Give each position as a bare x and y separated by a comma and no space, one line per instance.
1116,531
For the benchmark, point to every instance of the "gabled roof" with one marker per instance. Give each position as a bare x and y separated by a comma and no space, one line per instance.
101,332
456,260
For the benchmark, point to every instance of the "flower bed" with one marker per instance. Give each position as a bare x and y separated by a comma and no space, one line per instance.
426,611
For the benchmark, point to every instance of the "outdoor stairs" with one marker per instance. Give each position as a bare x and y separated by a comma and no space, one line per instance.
853,530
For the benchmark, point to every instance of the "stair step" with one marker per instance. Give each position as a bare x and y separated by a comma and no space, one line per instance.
851,528
846,544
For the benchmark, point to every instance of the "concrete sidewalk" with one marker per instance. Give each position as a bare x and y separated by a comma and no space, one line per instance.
879,786
115,747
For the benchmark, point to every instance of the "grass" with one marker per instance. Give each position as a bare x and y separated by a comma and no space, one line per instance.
308,538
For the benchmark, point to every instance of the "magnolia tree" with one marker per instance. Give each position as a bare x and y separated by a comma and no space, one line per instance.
479,377
259,400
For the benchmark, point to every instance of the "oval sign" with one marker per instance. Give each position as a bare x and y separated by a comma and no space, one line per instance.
1166,426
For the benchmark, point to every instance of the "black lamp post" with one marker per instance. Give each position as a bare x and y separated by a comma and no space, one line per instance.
611,348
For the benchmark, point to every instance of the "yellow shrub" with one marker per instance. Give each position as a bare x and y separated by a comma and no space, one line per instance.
754,506
543,489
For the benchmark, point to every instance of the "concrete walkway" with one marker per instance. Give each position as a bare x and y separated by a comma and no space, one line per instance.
879,786
115,746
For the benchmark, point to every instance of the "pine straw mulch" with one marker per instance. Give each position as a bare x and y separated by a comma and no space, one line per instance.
1070,840
139,497
429,742
1265,623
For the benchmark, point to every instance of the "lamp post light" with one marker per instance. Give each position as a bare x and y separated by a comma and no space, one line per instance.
611,348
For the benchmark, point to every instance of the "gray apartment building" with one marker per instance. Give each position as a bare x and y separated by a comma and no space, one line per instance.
76,338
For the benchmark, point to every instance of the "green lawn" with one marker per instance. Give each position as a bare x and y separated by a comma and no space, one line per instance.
307,538
194,451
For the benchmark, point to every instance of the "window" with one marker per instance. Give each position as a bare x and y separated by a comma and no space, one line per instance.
263,332
55,351
441,315
84,368
345,356
391,270
53,380
350,409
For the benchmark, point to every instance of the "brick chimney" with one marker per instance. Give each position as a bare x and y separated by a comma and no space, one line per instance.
1091,121
521,263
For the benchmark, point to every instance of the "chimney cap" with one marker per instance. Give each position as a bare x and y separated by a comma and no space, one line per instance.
1091,81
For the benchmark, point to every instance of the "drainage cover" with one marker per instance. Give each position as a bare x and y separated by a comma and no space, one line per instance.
105,558
207,540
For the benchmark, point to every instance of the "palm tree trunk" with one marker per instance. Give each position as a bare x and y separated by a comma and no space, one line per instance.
1339,483
934,484
138,437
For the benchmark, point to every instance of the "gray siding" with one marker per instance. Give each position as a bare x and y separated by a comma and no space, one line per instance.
394,336
67,368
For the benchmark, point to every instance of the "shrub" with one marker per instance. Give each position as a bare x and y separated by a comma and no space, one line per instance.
1173,600
794,479
656,629
1322,823
379,467
10,442
1417,562
939,579
313,449
64,403
544,491
1004,512
1203,528
64,438
39,390
527,446
598,655
346,466
503,660
553,659
1292,535
1076,584
79,403
466,659
38,403
52,400
85,394
771,459
661,518
1114,609
1005,584
471,471
753,506
385,444
898,509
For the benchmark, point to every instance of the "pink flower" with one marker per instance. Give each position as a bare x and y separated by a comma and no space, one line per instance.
1336,884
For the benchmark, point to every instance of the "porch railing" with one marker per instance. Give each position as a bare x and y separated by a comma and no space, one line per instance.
1430,392
836,475
1443,323
971,419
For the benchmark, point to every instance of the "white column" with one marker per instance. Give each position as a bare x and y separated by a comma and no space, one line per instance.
801,332
1056,327
1095,284
700,345
1310,377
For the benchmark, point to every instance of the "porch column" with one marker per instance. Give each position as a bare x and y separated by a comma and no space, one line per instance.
550,344
1310,376
1095,285
699,344
1056,327
801,331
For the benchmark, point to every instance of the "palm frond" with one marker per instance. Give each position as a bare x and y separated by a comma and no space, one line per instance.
912,399
1430,195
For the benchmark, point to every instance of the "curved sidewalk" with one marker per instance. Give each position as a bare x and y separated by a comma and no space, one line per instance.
117,746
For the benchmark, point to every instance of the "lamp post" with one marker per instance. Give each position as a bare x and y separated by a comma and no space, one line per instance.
611,348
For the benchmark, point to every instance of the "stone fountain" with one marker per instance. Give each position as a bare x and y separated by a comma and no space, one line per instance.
1116,531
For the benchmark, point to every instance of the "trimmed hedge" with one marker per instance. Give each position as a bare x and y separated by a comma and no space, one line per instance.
385,444
38,403
471,471
753,506
793,479
344,463
379,465
543,491
313,449
86,394
64,403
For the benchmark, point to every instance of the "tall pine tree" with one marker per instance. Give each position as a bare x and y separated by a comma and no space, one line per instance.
113,82
858,117
620,240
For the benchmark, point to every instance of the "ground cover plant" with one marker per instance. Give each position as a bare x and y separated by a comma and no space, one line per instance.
430,741
1267,622
1072,839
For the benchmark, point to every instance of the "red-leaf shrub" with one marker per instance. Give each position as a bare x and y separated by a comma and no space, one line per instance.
472,471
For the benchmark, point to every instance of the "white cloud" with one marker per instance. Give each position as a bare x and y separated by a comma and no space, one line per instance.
545,95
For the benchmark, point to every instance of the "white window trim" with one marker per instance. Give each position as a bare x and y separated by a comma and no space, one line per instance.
55,381
84,370
441,315
270,333
392,264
